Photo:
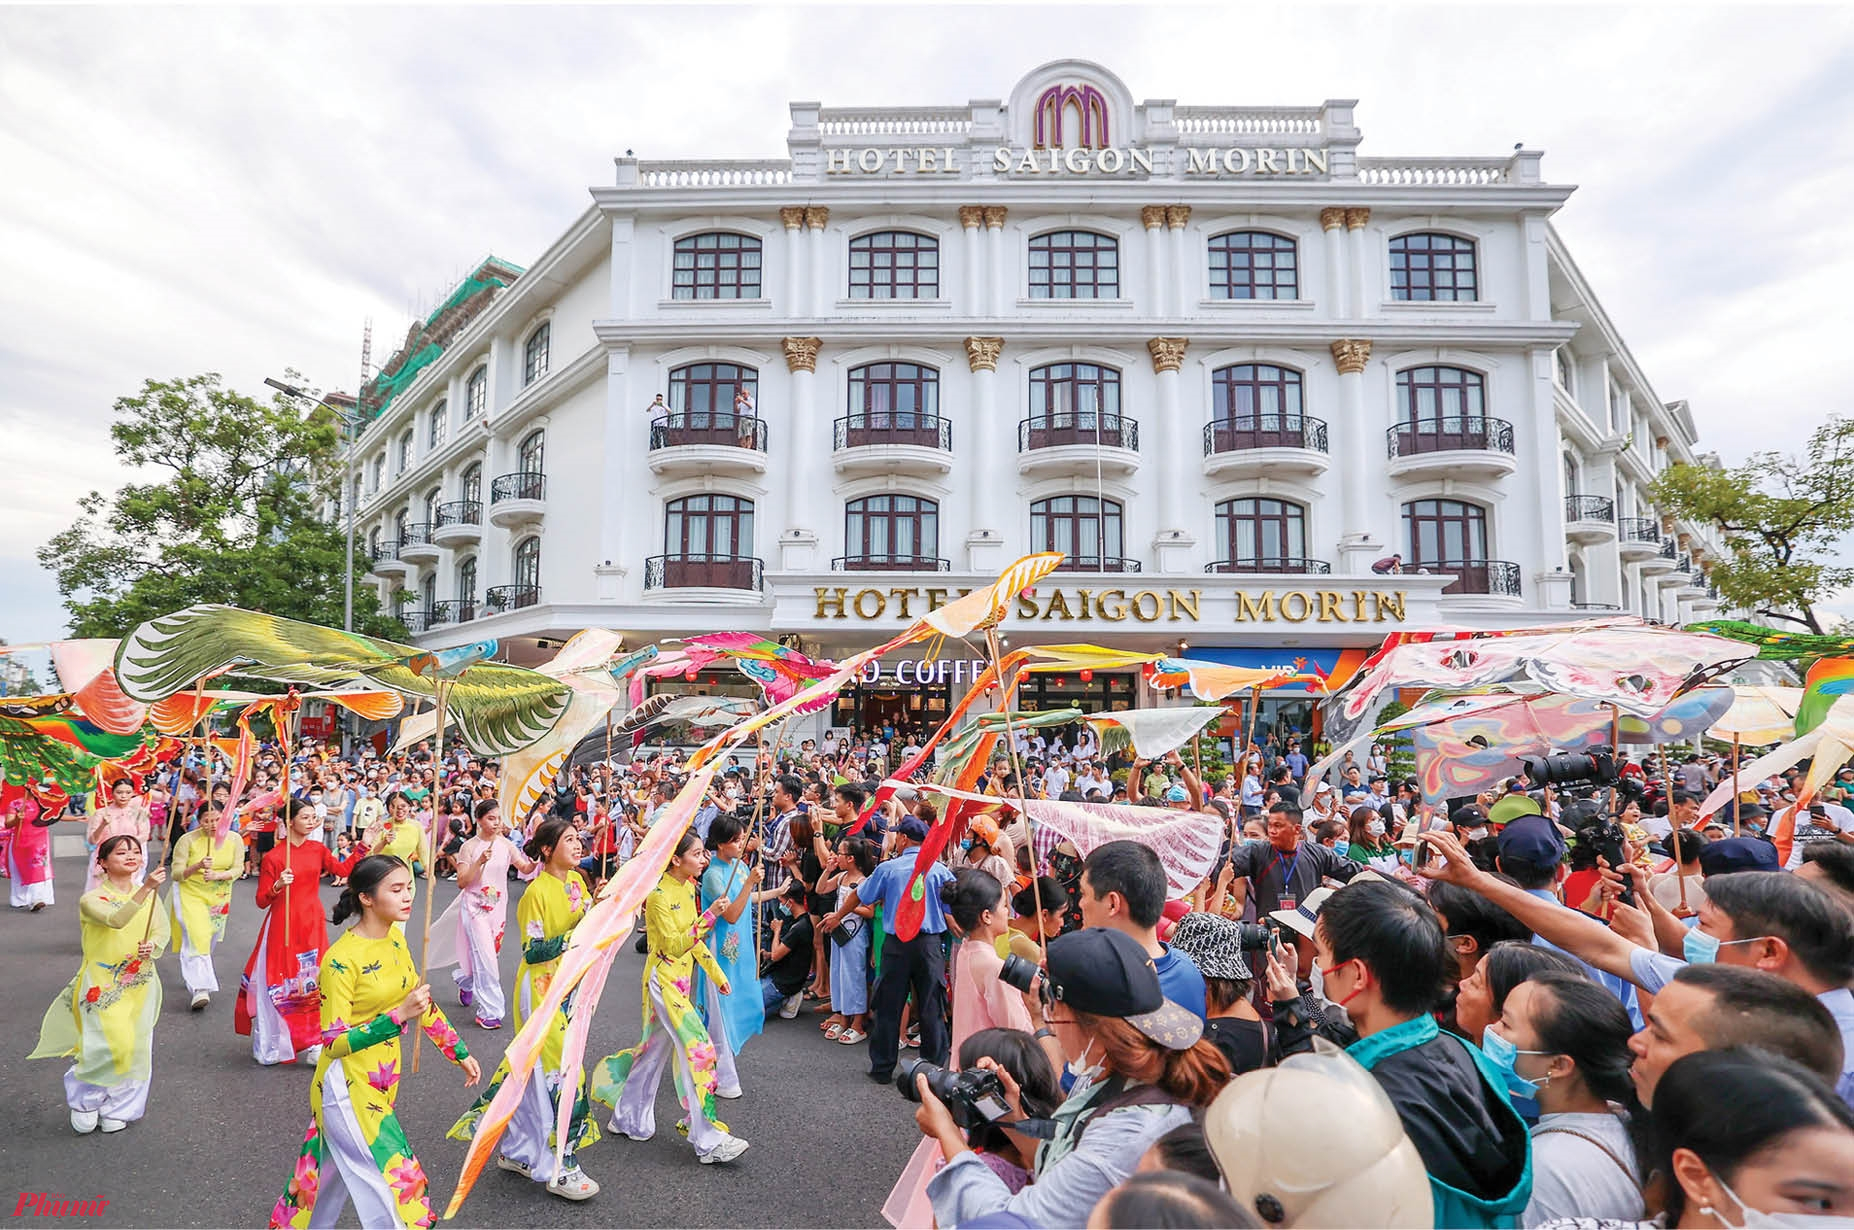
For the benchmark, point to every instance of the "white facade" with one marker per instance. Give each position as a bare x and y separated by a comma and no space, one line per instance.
1259,533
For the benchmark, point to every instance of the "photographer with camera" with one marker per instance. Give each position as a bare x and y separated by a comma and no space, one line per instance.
1140,1064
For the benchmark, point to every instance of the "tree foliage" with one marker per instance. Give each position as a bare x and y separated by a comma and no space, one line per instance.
1783,518
229,514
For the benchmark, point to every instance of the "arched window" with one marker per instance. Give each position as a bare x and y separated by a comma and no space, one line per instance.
436,421
534,355
1257,397
527,560
708,525
716,265
1570,475
1254,265
378,475
471,488
404,455
706,393
476,394
1076,403
1442,408
1262,535
373,543
400,520
1444,531
1563,370
466,581
894,265
1084,528
1433,267
530,457
1074,265
433,498
894,394
891,531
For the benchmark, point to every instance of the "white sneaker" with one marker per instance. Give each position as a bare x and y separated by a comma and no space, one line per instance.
730,1148
790,1007
730,1093
635,1136
573,1185
509,1163
83,1122
200,1000
313,1055
107,1124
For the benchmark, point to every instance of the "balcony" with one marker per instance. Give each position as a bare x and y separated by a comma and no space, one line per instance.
728,572
517,500
1097,563
1057,445
1451,446
1496,577
459,523
416,546
1589,518
1662,561
889,563
415,621
1638,538
1264,444
453,611
386,561
1278,565
499,598
889,442
707,442
1596,606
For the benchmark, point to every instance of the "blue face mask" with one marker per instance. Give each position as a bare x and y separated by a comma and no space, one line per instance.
1340,847
1502,1053
1702,949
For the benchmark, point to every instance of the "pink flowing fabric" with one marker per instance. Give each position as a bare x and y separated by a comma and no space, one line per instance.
907,1206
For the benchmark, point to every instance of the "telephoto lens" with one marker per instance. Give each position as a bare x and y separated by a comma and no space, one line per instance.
974,1097
1019,972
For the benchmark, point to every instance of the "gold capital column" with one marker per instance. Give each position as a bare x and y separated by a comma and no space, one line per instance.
1184,273
1152,217
818,266
1359,437
1174,540
972,223
1362,260
997,271
992,446
802,449
1332,251
793,301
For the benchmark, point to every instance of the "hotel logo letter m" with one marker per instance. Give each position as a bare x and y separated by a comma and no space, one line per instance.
1090,109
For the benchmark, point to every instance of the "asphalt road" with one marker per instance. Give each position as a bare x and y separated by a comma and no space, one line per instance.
222,1134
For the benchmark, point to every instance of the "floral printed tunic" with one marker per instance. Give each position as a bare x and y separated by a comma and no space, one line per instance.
201,906
362,981
105,1016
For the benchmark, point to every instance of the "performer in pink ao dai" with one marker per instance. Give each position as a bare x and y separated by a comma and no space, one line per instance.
468,934
28,855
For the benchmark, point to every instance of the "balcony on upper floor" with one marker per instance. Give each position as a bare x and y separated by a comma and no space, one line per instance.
1638,538
892,441
459,523
1270,565
416,546
415,620
1076,444
453,611
1441,447
688,570
386,561
517,500
499,598
1097,563
1265,444
1596,608
707,442
1493,577
1662,561
1589,518
890,563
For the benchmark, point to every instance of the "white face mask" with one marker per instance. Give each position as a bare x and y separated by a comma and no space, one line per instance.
1757,1217
1374,828
1082,1072
1476,834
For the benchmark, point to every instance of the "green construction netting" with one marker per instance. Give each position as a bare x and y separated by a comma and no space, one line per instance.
382,389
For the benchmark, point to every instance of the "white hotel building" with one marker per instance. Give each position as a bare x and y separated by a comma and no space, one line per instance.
1219,357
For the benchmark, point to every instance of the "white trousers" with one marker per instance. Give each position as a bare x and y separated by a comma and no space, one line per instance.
127,1101
636,1112
348,1170
478,973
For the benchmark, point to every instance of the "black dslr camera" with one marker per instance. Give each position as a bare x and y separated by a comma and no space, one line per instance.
975,1096
1594,835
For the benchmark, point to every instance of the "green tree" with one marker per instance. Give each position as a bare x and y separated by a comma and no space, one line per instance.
1783,518
230,515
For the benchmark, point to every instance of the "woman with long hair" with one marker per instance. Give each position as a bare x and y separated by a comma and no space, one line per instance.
1369,840
728,887
201,899
470,929
105,1016
1563,1042
279,1001
355,1148
551,907
627,1082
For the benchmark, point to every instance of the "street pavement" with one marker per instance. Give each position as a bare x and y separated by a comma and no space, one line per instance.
222,1134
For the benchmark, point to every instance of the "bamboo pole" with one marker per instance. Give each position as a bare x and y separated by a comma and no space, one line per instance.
282,722
1738,819
1005,696
443,690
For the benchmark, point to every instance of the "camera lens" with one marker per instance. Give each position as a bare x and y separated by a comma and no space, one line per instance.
1018,972
904,1079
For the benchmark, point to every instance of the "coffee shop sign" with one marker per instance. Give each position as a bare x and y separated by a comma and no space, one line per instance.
1118,605
1113,160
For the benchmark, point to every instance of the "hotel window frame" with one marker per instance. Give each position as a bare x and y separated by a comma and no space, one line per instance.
466,580
1447,515
1075,376
403,452
525,562
1040,278
707,508
1289,385
1471,387
1278,244
721,391
1264,512
698,264
531,453
1427,281
437,423
874,245
921,520
476,394
470,483
863,385
1106,516
535,352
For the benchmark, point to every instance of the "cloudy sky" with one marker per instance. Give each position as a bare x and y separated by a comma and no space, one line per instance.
208,189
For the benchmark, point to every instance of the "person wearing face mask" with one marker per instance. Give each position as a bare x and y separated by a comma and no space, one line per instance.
1140,1065
1784,1156
1382,956
1370,844
1563,1045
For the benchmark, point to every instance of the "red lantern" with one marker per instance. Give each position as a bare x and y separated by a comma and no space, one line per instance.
1087,675
1058,681
690,674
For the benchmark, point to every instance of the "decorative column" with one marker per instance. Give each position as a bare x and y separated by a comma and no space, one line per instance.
1173,543
996,270
792,217
1183,276
1355,438
619,476
1603,561
816,219
1355,219
1332,225
984,442
1152,217
798,543
972,220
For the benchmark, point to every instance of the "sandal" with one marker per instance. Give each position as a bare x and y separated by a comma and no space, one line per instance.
834,1032
850,1037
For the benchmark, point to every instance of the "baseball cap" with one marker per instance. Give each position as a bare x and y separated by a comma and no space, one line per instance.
1107,973
913,828
1512,807
1738,854
1533,839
